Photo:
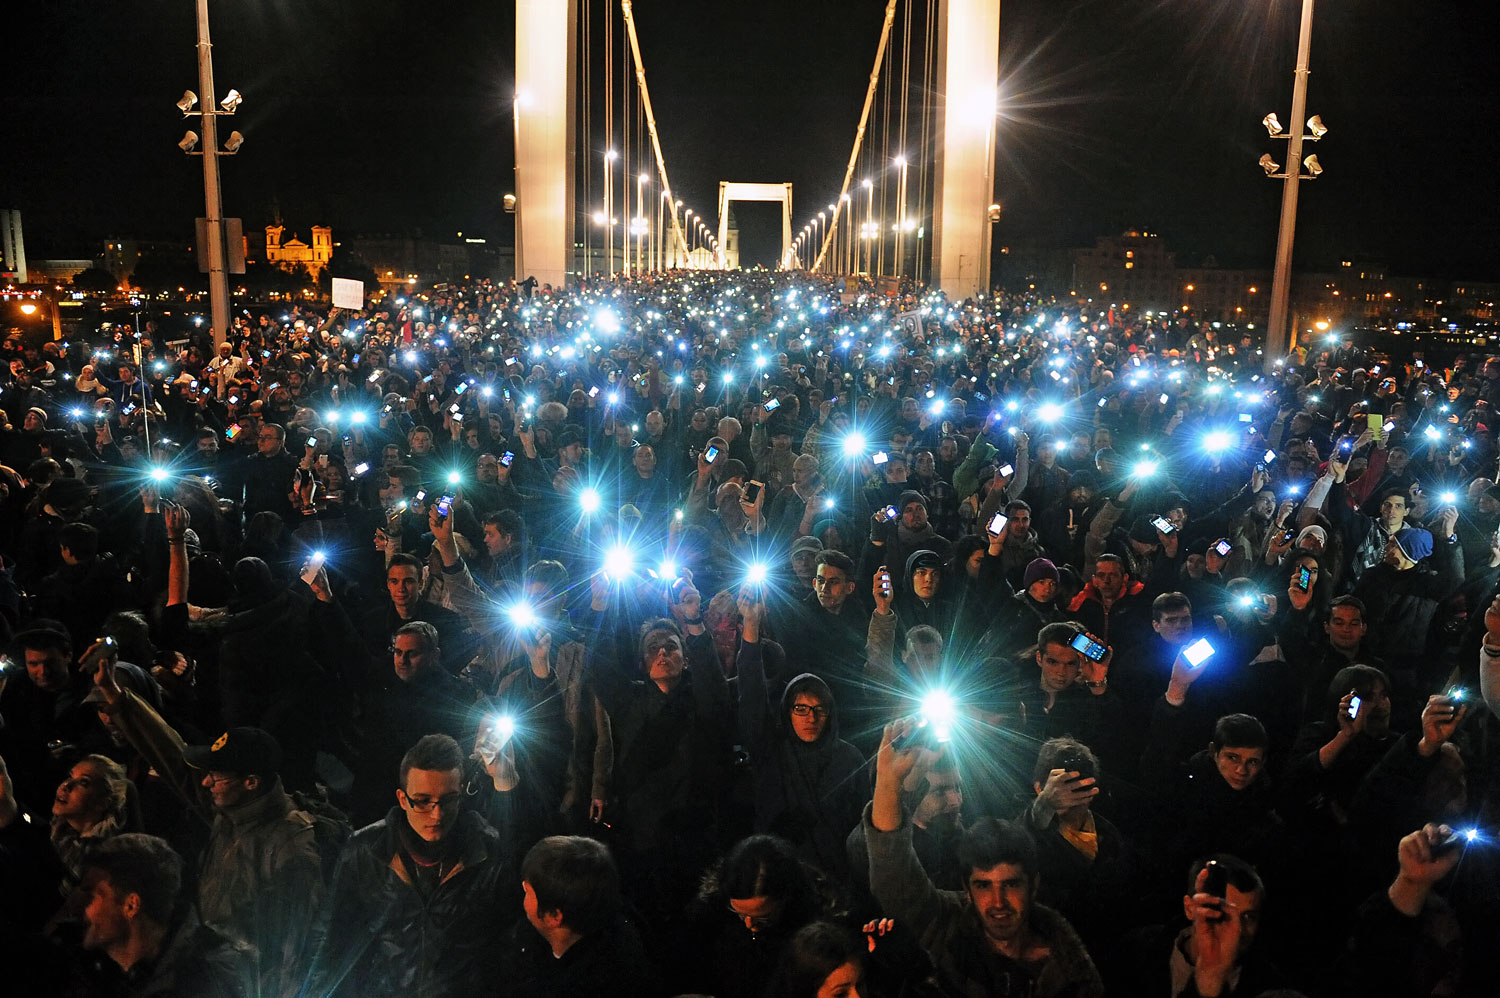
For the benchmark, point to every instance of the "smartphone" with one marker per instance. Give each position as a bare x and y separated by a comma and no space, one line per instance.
1198,652
752,491
460,388
772,405
1245,417
834,400
1007,470
106,645
711,454
1455,695
1376,429
1163,398
507,458
922,735
1163,524
312,441
354,360
593,393
1268,457
997,524
1217,881
1303,581
1354,703
310,570
235,429
880,457
1103,403
885,583
445,505
1223,548
129,409
421,496
1089,645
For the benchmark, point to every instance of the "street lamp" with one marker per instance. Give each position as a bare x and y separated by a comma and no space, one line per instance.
1281,281
609,245
901,219
218,280
640,214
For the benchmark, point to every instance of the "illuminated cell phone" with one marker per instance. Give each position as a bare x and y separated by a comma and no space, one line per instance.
235,429
1245,417
889,513
772,405
1198,652
1354,703
445,506
421,496
354,360
1303,582
1163,524
1163,399
507,458
711,454
885,583
997,524
1268,457
1007,470
593,392
880,457
1089,645
1223,548
460,388
312,441
1103,403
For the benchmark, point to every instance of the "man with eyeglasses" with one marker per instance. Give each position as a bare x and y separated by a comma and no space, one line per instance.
267,474
419,902
261,873
824,633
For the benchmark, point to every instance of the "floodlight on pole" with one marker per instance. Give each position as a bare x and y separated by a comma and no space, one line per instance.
189,141
1315,128
1273,125
185,105
1269,165
231,101
234,142
1314,168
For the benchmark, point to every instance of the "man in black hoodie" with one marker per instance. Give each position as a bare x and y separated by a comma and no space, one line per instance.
810,784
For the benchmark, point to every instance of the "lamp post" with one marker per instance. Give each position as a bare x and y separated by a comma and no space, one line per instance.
901,220
1281,281
218,279
869,225
609,243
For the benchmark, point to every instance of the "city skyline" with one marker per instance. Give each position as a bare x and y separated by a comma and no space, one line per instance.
1111,119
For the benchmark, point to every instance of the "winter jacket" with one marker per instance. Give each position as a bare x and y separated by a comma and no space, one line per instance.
949,930
1401,606
672,750
378,935
809,794
261,875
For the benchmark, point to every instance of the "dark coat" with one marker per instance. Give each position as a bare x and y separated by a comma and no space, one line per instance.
378,936
609,962
809,794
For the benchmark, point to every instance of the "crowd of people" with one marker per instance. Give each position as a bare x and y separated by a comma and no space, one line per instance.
745,634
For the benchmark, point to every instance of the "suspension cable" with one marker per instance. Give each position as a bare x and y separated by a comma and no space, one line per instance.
661,163
859,133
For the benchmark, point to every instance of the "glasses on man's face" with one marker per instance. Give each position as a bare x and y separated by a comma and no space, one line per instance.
425,805
756,922
808,710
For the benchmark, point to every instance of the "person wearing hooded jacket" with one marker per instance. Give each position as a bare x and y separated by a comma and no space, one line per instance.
810,785
894,542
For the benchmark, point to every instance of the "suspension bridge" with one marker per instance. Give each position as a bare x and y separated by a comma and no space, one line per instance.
915,198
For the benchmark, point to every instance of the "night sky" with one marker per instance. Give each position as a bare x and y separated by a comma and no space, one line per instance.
394,116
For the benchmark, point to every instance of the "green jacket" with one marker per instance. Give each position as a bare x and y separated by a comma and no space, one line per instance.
949,930
261,877
966,475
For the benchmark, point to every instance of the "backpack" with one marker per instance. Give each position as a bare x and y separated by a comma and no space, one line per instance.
331,828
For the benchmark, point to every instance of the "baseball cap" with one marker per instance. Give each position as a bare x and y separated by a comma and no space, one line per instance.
238,750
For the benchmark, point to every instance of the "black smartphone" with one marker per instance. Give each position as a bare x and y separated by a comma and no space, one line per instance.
1222,549
1163,524
1076,762
445,506
507,458
1089,645
1303,581
711,454
752,491
1217,881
